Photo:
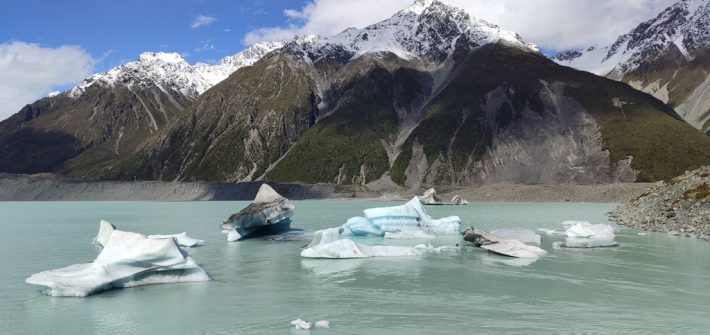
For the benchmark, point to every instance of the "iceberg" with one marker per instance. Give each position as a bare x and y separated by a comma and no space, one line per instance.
586,229
500,245
269,214
410,217
183,240
301,324
526,236
582,235
430,197
127,259
458,200
328,243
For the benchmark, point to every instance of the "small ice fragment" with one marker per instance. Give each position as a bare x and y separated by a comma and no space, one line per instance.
328,244
322,324
586,229
300,324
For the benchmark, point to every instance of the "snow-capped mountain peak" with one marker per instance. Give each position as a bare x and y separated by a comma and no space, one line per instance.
171,70
684,26
427,29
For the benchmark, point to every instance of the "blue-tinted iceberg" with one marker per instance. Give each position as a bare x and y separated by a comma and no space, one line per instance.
408,218
269,214
329,244
127,259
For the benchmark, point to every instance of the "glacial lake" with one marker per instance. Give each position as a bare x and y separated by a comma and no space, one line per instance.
652,283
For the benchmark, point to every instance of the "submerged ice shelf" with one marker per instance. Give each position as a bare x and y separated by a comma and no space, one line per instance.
127,259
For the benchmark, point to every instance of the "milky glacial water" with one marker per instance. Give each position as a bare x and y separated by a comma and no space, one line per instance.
652,284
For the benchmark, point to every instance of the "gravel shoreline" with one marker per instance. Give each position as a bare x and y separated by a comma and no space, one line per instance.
47,187
680,206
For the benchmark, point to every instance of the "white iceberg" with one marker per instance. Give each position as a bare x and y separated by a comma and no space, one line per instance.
500,245
322,324
329,244
409,217
301,324
526,236
269,214
458,200
127,259
586,229
183,240
582,234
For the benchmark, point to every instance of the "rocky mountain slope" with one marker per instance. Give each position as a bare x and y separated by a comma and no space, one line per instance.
680,205
667,56
110,114
429,96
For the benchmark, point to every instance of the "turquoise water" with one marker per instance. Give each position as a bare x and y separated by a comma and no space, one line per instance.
650,284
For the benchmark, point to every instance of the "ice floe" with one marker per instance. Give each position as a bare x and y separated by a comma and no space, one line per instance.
127,259
408,218
582,234
269,214
500,245
183,240
300,324
328,243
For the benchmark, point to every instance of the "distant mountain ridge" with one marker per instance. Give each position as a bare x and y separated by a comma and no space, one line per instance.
667,56
430,96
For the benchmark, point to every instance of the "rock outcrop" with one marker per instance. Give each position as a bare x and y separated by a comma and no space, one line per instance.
680,206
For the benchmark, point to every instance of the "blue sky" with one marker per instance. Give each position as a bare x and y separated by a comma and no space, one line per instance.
114,32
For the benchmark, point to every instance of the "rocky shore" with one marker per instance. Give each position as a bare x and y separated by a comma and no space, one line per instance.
680,206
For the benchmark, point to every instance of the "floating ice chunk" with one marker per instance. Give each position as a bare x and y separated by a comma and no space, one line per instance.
437,250
409,217
105,230
586,229
127,259
322,324
526,236
457,200
430,197
300,324
584,243
328,244
403,235
500,245
269,214
182,239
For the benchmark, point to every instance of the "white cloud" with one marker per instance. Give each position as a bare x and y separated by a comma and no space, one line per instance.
555,24
29,71
202,20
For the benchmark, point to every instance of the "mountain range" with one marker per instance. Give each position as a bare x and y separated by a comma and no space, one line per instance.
667,56
429,96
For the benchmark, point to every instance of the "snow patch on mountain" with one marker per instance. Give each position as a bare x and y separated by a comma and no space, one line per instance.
171,70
